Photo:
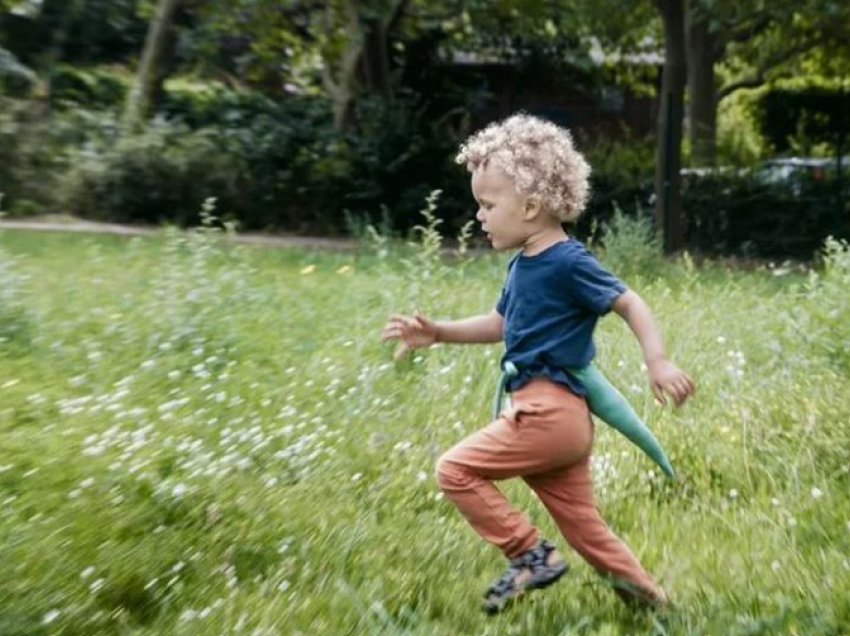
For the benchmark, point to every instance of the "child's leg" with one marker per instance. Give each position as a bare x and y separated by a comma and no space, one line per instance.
547,427
568,496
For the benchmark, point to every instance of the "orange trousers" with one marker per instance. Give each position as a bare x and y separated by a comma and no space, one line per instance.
545,436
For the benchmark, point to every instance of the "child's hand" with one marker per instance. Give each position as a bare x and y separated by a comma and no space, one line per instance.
413,332
666,378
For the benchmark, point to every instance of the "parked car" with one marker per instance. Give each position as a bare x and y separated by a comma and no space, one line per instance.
793,168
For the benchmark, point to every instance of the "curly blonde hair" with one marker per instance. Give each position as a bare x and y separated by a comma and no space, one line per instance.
539,156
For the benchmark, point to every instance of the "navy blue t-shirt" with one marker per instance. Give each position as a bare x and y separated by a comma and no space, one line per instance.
551,302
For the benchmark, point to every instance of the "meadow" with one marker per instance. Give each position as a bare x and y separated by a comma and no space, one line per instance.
202,439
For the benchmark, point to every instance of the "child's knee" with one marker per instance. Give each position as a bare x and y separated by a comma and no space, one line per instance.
450,474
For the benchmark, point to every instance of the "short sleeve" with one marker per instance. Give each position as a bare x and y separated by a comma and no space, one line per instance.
591,285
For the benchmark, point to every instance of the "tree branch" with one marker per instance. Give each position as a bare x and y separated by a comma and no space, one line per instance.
743,31
759,77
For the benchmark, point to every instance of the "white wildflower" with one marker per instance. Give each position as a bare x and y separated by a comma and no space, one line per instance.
51,616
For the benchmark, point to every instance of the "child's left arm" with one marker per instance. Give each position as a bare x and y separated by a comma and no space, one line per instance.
664,376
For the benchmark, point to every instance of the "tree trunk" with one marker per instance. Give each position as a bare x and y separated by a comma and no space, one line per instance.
702,88
340,76
151,74
375,63
668,190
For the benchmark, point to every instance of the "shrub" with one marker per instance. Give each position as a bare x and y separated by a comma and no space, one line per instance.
34,150
93,88
737,214
621,180
15,78
163,174
630,245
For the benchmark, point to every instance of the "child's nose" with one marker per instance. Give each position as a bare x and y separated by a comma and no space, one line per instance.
480,215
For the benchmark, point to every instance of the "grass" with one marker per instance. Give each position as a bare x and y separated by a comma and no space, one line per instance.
198,439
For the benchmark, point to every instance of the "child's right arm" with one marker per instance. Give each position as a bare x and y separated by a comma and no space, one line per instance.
419,331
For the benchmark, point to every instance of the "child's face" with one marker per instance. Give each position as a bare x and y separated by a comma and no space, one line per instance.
500,208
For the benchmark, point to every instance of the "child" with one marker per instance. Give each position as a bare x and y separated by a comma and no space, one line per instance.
528,179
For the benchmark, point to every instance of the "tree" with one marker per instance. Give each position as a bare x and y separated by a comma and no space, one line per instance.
668,191
358,57
348,49
751,43
150,76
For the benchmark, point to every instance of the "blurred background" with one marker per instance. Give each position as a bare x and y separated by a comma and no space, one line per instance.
724,122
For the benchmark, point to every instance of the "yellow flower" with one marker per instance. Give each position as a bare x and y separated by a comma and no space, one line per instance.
344,269
308,270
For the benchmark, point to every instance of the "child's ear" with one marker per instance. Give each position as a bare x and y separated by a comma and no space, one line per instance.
533,207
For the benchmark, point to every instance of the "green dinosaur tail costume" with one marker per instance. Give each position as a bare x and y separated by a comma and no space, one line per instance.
609,405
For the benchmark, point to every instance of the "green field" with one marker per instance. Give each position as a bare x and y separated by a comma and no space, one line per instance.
198,439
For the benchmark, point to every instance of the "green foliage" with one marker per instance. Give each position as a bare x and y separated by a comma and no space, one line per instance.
631,247
270,163
15,78
78,31
34,150
621,183
16,322
739,139
92,88
805,116
824,325
621,179
197,281
620,165
744,214
162,174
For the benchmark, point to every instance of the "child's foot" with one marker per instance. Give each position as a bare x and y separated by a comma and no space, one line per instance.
637,598
536,568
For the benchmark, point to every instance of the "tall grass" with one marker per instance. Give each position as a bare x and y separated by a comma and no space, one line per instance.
197,439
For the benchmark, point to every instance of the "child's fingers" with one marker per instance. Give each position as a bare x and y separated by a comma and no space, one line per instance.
400,351
391,333
681,392
422,320
658,391
397,326
399,321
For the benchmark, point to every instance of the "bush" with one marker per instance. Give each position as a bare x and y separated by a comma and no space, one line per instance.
630,245
15,78
739,140
163,174
736,214
621,181
90,87
34,150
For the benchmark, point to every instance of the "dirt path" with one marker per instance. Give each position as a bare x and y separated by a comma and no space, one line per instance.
248,238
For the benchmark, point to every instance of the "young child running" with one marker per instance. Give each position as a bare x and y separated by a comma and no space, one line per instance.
528,179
